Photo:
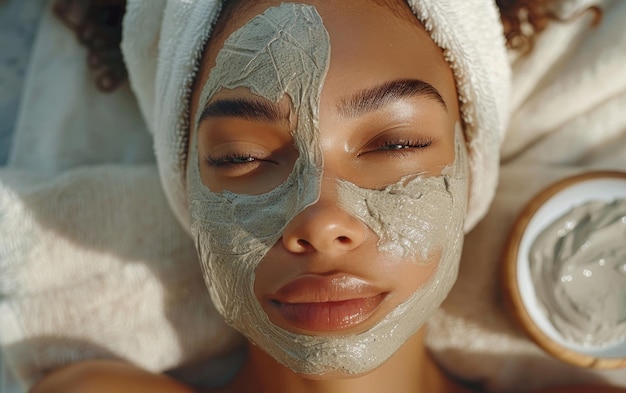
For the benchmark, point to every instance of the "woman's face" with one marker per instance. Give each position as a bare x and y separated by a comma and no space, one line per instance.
380,110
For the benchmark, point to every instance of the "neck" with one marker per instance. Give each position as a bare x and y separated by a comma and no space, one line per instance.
408,370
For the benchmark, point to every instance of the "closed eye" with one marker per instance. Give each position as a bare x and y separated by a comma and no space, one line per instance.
405,144
236,165
399,146
228,160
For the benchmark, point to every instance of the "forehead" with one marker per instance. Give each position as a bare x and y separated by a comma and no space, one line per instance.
356,21
235,13
371,42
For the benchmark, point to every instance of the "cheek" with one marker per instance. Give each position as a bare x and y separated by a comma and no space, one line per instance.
275,270
448,155
410,275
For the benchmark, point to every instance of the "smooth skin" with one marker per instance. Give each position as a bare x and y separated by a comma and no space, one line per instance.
372,43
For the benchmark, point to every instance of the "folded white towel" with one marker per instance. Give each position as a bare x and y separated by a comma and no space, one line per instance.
94,265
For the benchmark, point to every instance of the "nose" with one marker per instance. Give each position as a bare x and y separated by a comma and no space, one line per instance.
325,226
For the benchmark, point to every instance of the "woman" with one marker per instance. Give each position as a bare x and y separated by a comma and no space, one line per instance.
323,171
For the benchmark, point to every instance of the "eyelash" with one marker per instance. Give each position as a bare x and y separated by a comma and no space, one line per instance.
401,146
392,147
229,160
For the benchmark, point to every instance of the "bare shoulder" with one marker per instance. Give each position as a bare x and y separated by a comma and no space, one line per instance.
102,376
585,389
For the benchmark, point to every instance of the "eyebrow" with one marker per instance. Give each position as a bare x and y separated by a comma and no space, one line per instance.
371,99
245,108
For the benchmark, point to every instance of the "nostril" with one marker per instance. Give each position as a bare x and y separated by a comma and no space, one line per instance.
303,243
344,240
323,229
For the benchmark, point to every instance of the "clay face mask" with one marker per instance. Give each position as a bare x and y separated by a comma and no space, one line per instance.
286,51
578,267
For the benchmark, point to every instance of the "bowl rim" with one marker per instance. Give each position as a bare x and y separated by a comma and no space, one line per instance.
510,281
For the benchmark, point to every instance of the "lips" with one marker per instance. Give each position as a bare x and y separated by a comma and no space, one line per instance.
322,303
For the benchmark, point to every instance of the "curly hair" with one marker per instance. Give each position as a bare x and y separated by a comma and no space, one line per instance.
524,20
97,25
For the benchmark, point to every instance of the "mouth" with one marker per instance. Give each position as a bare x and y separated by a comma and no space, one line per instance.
328,316
326,304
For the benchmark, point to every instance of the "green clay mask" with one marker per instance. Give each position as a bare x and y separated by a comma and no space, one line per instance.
286,51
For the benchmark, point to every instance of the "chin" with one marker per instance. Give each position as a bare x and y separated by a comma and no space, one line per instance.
333,375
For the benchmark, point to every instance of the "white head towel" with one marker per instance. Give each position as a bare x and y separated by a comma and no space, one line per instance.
163,41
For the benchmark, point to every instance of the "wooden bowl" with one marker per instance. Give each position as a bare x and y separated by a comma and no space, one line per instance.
542,210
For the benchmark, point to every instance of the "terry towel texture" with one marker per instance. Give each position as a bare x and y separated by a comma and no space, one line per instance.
93,264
